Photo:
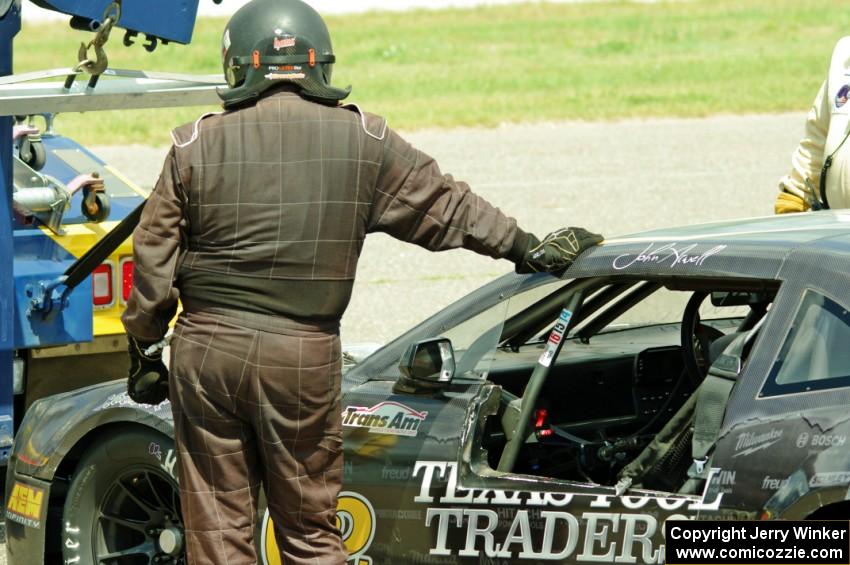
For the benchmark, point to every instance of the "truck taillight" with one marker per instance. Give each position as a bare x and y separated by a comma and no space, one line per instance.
102,285
126,279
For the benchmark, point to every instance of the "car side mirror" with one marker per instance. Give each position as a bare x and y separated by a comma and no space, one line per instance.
426,366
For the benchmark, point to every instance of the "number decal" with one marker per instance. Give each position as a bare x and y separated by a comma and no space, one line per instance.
355,519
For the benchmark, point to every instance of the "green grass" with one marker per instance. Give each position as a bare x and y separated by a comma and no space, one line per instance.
519,63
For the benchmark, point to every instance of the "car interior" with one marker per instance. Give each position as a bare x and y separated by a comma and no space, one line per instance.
618,401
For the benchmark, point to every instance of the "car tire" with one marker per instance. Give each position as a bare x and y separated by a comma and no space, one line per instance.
122,505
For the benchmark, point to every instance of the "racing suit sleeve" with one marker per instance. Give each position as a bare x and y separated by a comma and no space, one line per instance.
158,244
415,202
807,160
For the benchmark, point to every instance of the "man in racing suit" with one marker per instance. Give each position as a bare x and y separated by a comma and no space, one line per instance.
256,224
820,166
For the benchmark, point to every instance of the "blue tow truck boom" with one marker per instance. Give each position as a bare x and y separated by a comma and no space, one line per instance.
46,293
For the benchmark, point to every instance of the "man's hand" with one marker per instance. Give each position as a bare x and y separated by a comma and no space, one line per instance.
557,251
147,382
787,203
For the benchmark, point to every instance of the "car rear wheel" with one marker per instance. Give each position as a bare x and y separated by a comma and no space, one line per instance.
122,506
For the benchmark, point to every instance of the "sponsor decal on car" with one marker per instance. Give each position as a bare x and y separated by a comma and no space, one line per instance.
829,479
500,524
820,440
355,519
394,514
555,338
25,505
724,480
169,463
387,417
396,473
750,442
671,254
773,483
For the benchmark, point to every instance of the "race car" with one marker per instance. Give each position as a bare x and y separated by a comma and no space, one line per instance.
691,373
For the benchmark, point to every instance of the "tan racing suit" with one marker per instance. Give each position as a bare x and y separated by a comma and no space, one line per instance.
825,136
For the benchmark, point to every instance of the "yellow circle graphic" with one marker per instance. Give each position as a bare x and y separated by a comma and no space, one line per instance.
355,519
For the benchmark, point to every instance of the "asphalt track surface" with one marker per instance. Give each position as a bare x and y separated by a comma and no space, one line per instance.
614,177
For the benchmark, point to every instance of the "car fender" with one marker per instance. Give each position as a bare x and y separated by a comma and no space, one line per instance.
55,426
54,429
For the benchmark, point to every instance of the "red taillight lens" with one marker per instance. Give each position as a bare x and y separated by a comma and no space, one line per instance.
126,279
101,288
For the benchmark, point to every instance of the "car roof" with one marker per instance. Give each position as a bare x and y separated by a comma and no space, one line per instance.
750,247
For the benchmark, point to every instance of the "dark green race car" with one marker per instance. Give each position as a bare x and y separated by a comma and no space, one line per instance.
700,372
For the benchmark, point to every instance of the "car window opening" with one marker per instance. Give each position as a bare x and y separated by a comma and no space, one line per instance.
620,398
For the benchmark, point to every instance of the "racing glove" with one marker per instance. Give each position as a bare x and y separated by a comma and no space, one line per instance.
147,382
557,251
787,203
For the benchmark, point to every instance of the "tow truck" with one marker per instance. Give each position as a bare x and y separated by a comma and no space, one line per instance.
65,217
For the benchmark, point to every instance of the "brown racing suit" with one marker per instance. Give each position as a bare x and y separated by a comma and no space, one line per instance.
256,225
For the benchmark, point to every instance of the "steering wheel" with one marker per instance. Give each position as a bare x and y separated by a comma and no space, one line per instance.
696,339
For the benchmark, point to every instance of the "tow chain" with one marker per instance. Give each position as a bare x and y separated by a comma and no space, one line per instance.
100,63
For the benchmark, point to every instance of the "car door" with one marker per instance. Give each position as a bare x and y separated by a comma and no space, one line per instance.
472,513
388,433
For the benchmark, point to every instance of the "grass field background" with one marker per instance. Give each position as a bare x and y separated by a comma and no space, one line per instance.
517,63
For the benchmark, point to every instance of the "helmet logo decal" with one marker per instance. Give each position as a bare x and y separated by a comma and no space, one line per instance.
284,42
225,41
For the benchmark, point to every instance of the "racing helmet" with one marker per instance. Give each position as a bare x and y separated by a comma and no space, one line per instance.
271,42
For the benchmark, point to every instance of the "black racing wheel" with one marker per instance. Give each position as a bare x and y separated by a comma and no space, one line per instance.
123,504
696,339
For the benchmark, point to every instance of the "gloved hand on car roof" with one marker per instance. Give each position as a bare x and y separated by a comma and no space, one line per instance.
557,251
787,203
147,382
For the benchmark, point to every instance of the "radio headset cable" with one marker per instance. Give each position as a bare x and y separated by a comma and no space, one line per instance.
827,164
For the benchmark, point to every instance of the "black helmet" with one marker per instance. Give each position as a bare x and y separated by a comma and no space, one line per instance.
269,42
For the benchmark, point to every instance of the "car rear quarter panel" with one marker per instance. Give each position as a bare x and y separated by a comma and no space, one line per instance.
788,451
